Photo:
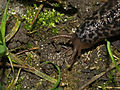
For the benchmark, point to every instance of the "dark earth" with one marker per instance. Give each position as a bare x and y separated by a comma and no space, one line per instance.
91,63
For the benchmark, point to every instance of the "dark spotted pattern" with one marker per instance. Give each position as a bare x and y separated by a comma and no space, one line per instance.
104,23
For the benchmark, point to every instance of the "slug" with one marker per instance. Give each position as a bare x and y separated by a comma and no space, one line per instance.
104,23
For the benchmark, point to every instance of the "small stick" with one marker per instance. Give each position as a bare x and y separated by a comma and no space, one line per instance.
15,65
27,50
97,76
39,9
111,88
15,81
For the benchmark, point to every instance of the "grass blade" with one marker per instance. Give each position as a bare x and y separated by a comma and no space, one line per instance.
13,31
33,70
1,41
3,24
59,74
12,81
2,33
111,55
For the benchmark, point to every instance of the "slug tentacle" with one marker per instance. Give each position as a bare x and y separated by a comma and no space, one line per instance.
61,36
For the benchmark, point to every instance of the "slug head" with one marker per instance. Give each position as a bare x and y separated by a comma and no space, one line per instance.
78,45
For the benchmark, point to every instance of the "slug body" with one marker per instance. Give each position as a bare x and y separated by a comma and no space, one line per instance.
104,23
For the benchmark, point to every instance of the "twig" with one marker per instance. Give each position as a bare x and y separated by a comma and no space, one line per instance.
39,9
111,88
104,1
112,66
32,69
15,81
27,50
15,65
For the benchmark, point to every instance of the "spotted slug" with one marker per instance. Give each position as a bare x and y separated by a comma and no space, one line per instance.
104,23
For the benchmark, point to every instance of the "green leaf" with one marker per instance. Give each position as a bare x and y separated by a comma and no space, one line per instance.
3,24
2,50
1,41
59,88
2,33
55,31
1,86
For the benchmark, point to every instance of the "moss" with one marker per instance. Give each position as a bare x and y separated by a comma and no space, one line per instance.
46,19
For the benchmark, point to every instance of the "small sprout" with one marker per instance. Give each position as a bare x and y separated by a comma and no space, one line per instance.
30,45
46,18
55,31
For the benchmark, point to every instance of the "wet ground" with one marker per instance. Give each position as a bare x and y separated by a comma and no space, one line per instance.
91,63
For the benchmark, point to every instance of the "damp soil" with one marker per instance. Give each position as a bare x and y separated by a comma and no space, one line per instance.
91,63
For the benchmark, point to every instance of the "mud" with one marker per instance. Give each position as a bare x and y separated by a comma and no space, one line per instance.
91,63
